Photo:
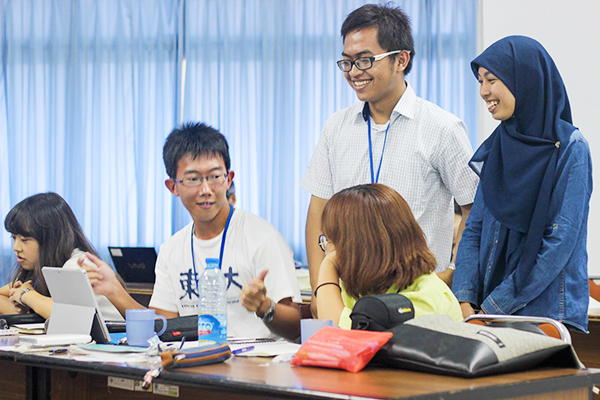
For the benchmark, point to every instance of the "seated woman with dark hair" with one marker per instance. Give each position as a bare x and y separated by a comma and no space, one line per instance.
45,233
374,245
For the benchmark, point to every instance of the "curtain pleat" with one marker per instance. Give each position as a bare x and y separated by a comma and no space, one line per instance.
89,90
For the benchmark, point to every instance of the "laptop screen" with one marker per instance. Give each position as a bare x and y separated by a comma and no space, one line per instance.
134,264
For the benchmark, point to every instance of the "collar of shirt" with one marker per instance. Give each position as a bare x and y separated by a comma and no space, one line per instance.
405,106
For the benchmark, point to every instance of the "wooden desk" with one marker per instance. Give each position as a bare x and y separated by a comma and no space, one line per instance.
587,346
141,292
250,378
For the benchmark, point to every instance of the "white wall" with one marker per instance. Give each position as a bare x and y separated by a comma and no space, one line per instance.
570,31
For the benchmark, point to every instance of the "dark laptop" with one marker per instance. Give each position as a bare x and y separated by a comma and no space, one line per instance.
134,264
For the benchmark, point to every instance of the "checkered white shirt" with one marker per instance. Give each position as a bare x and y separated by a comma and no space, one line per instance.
426,160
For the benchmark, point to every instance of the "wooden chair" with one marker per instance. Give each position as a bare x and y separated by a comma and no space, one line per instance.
594,290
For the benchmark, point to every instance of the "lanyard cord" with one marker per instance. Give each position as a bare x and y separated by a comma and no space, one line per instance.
222,246
373,178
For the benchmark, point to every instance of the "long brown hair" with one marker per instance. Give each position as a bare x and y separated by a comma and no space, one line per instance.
377,240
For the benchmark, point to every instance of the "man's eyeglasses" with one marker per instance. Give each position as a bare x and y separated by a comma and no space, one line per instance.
365,63
194,181
322,242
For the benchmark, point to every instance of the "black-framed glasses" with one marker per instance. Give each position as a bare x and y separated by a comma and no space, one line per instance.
322,242
196,180
365,63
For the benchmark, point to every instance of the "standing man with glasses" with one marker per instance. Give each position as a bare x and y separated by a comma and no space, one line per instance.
390,136
262,289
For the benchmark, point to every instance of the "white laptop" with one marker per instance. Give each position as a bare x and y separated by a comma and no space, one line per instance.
75,313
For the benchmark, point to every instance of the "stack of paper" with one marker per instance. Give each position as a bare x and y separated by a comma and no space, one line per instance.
263,348
30,329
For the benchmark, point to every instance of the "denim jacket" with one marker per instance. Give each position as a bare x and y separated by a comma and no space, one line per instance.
558,287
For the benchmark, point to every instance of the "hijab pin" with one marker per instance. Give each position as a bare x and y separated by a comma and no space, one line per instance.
557,144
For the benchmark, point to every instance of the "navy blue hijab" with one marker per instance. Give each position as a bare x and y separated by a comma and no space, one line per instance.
517,163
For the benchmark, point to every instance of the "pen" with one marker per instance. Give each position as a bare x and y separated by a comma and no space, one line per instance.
242,350
249,340
58,351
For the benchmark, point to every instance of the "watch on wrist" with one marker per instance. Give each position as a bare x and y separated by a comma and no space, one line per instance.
452,266
21,296
270,314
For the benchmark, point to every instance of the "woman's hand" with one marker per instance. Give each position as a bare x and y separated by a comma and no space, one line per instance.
467,309
330,273
18,296
329,296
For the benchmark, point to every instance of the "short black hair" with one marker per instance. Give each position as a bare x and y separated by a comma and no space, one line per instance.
393,27
195,139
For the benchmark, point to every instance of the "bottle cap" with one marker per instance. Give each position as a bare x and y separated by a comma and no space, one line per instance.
212,262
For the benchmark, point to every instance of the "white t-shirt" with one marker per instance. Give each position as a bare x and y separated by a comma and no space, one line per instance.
425,160
107,310
251,246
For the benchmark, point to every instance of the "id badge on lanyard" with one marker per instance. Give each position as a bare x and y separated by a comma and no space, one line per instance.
375,178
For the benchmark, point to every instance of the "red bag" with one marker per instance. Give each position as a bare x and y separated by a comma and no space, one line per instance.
339,348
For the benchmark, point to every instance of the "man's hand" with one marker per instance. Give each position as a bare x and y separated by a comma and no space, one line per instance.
105,282
254,295
254,298
101,275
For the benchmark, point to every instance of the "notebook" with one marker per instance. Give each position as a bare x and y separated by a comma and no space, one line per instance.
134,264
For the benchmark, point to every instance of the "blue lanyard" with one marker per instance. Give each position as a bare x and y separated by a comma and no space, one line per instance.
373,178
222,245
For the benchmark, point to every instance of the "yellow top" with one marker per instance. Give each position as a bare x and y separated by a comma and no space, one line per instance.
428,293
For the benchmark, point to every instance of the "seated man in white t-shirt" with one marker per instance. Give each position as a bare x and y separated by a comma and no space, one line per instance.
262,290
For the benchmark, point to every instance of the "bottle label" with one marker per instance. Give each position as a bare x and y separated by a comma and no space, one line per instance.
212,327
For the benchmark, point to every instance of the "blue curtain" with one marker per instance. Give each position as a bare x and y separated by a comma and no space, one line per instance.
87,97
90,89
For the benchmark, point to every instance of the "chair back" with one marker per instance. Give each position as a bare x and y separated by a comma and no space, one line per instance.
594,290
548,326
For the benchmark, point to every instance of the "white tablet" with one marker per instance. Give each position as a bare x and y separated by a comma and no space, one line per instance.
75,309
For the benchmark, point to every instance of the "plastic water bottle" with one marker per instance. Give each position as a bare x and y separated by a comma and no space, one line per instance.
212,303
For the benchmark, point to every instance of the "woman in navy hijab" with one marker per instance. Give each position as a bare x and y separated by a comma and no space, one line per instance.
523,250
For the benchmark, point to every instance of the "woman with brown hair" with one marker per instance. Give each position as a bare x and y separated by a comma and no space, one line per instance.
374,245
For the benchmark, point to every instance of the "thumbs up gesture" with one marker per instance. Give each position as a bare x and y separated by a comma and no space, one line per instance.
254,295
